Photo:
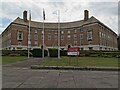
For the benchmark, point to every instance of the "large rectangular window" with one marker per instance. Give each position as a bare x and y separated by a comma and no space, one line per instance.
89,35
56,37
62,32
81,42
75,36
36,36
20,35
49,37
81,36
68,32
62,37
75,43
68,37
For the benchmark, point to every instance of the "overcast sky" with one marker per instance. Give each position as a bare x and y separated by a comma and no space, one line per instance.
70,10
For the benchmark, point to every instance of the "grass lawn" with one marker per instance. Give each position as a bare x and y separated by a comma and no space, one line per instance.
11,59
81,62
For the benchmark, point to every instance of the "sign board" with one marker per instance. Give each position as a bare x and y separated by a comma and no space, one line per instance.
75,51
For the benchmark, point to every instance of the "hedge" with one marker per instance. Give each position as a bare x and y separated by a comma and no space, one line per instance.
38,52
15,53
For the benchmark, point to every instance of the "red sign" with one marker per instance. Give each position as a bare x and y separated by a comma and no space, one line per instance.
73,51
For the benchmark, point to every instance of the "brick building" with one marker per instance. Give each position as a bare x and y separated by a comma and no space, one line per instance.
88,34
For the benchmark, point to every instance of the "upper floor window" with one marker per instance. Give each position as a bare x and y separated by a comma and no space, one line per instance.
56,31
42,32
49,32
81,30
49,37
36,36
62,32
56,37
68,32
35,31
75,37
68,37
89,35
62,37
81,36
20,35
75,31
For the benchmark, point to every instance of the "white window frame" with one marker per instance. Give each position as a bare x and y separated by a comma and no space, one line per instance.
89,35
20,32
81,36
49,37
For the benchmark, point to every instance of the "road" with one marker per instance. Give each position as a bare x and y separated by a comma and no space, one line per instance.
19,76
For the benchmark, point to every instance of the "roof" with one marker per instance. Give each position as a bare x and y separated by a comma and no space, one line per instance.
55,25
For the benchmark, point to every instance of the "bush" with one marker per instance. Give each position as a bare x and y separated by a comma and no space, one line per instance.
63,52
38,52
53,52
14,52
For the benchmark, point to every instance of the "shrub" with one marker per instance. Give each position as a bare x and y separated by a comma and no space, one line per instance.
38,52
63,52
53,52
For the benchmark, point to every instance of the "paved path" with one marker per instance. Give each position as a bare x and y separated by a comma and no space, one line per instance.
20,75
17,77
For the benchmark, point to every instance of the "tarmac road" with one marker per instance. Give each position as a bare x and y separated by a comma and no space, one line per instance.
20,75
15,77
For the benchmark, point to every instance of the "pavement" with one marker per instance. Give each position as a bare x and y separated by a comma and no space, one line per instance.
20,75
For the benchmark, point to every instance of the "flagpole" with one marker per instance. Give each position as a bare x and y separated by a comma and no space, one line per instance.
29,34
43,33
58,34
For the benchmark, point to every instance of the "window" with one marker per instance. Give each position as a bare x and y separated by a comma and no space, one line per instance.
81,30
81,42
100,34
41,37
20,35
68,32
35,31
89,35
19,43
49,37
56,31
68,37
90,42
62,32
75,37
36,43
56,37
75,43
62,37
35,36
75,31
49,32
42,32
81,36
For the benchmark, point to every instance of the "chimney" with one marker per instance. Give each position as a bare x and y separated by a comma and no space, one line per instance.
86,15
25,16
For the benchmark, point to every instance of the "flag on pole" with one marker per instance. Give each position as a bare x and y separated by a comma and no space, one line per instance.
43,14
29,16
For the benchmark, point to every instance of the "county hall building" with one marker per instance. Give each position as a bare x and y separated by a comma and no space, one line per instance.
87,34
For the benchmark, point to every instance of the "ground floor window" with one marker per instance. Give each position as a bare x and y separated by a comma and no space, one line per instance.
90,48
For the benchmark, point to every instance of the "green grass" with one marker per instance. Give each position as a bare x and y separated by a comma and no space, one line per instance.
11,59
81,62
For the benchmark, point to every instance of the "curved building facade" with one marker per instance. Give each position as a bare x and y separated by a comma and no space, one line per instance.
88,34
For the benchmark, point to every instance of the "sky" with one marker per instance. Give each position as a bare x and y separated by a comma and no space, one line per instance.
105,11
